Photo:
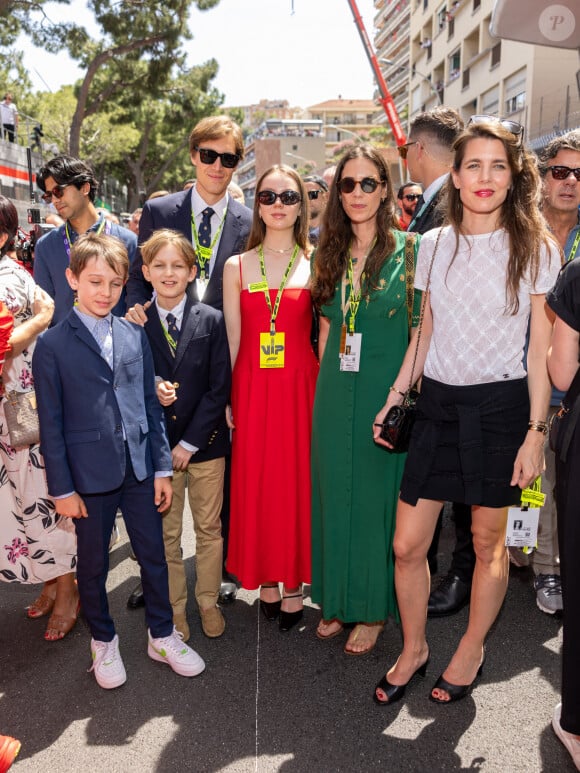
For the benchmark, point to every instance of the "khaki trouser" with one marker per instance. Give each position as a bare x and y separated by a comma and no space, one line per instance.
205,484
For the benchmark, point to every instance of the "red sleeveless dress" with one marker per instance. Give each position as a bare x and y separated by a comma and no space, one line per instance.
272,412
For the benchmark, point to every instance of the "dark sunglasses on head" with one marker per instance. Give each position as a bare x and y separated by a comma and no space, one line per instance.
57,192
367,184
267,197
563,172
412,196
313,195
513,127
207,156
404,149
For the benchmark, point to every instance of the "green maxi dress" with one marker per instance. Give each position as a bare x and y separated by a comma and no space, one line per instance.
355,483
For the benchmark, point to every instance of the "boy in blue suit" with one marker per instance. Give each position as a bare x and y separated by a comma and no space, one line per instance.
105,446
192,364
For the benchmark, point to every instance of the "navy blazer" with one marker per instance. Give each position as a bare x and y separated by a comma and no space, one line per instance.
201,367
174,211
433,215
84,405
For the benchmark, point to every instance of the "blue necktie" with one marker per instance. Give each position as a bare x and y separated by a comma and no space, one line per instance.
204,234
104,338
172,328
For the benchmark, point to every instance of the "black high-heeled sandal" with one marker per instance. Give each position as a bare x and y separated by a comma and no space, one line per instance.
288,620
270,609
455,691
395,692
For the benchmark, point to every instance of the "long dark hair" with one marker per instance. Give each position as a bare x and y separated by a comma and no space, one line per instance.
520,214
8,222
258,230
336,232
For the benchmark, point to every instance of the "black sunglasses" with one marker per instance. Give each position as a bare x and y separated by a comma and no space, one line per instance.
563,172
513,127
57,192
404,149
367,184
267,197
412,196
313,195
207,156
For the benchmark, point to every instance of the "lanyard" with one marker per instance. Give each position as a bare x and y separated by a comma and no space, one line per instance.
354,297
574,249
274,311
67,236
204,253
169,338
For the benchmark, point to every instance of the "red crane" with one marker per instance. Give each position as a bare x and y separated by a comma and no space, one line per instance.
385,99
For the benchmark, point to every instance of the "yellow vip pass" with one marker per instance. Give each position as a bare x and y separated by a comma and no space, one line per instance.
272,350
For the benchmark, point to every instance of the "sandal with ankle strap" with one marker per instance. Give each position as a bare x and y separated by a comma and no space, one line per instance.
270,609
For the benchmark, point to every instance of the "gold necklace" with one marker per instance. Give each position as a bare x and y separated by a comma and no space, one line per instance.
280,252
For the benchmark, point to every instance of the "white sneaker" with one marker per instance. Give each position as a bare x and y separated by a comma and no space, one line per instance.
107,663
172,650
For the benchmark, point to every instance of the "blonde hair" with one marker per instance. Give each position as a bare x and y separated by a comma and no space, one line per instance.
164,237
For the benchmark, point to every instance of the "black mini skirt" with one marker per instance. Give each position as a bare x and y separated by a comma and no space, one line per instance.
465,441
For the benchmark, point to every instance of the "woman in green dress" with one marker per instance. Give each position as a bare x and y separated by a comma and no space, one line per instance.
360,286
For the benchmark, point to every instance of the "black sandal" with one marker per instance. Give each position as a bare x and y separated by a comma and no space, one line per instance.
455,691
289,619
395,692
270,609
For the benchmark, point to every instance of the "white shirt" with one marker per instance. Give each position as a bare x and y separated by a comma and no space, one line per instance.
475,339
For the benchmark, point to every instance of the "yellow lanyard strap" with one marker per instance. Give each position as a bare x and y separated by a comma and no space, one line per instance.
274,311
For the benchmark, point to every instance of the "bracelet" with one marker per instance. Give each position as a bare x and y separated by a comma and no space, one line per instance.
398,391
539,426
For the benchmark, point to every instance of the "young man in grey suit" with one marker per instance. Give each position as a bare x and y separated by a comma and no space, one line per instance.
217,226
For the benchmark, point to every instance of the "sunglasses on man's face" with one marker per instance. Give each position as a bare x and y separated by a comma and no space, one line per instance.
57,192
313,195
563,172
513,127
267,197
404,149
207,156
367,184
412,196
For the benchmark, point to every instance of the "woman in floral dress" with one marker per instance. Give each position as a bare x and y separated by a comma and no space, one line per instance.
35,544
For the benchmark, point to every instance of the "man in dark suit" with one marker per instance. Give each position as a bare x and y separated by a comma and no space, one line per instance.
218,227
429,157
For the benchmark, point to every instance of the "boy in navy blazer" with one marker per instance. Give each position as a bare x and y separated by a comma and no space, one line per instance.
192,366
105,446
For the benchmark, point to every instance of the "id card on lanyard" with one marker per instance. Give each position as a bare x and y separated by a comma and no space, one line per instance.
350,341
273,343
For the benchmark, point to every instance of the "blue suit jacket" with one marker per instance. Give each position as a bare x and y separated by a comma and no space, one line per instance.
51,261
174,211
83,407
202,369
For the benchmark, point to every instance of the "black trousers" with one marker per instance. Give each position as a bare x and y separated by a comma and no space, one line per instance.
568,508
463,558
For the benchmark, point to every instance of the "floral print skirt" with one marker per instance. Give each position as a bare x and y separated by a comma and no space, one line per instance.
36,544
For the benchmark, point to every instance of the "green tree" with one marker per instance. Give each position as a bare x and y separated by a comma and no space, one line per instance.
137,46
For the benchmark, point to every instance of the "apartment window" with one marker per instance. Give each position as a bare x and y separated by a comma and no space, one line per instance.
451,28
425,4
490,101
454,65
441,17
416,100
465,81
496,54
476,4
515,92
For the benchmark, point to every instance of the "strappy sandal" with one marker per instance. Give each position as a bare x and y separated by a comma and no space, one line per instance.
359,627
62,625
327,623
41,607
289,619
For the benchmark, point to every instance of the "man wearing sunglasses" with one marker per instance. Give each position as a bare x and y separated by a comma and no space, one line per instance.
317,191
71,186
560,170
407,197
205,213
210,218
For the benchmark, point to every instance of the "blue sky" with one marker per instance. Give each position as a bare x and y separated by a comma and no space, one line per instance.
264,50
